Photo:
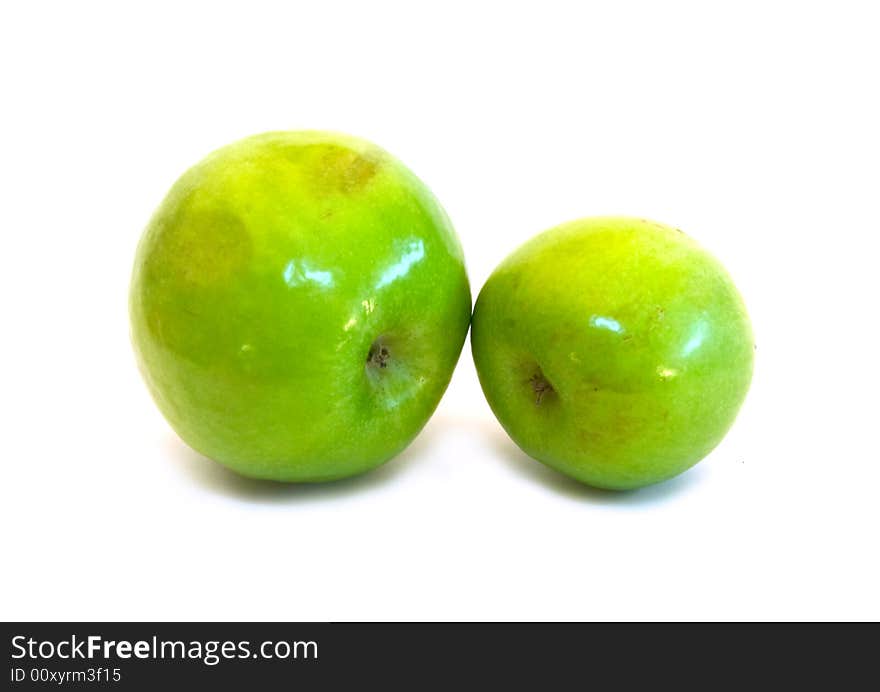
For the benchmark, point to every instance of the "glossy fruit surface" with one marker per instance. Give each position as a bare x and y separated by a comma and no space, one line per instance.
298,303
614,350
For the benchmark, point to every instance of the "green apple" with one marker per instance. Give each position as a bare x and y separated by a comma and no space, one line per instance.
298,303
614,350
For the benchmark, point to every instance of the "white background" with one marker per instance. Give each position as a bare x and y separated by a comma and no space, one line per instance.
753,126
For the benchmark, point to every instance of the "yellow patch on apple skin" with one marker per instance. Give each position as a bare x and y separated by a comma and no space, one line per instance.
202,247
345,171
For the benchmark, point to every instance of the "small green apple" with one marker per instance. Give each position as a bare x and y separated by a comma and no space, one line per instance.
298,303
614,350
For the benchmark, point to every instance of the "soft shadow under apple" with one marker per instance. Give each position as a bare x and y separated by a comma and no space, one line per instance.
537,472
217,478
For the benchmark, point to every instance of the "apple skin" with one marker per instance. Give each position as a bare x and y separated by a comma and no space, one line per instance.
614,350
298,304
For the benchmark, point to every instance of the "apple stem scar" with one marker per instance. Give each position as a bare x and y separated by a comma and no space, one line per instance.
378,356
541,386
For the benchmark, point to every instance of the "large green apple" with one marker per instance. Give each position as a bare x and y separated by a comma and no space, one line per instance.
614,350
298,303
